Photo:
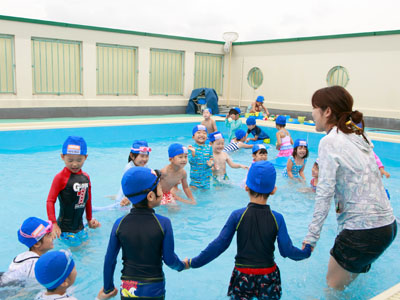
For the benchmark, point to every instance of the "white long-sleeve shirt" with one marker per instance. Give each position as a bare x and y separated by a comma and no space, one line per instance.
22,268
348,173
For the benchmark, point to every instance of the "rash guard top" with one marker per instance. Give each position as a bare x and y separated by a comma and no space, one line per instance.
74,192
257,228
146,239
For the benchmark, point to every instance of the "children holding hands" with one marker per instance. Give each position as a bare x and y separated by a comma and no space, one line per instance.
258,227
173,174
146,239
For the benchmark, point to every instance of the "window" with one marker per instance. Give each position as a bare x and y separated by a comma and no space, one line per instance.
56,66
166,72
255,78
208,71
337,76
7,66
116,70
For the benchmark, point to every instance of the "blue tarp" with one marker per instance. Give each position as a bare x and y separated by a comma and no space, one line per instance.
211,100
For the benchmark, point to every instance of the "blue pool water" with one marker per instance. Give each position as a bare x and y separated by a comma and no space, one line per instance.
30,159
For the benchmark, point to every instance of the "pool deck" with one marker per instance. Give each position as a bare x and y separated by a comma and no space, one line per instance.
34,124
390,294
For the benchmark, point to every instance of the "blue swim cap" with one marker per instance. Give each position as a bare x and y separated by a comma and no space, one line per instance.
251,121
280,120
257,147
209,110
33,230
237,109
215,136
176,149
260,99
239,134
75,145
52,268
300,142
261,177
140,147
137,182
198,128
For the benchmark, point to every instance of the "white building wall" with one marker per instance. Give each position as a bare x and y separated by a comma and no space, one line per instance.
292,70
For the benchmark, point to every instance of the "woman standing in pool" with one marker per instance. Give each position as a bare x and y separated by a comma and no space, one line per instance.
348,172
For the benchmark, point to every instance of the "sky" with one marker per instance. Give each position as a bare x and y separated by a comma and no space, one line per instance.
209,19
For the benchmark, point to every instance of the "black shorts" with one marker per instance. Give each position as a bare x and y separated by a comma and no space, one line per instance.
262,287
356,250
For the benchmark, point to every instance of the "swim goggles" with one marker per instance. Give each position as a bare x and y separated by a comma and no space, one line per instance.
68,256
142,150
158,174
39,232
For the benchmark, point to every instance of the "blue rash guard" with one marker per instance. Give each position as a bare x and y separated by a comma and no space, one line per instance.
257,131
146,239
258,227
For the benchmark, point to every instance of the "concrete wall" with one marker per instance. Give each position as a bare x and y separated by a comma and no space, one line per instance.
292,71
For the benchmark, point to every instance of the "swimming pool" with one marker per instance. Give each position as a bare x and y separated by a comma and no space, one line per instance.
30,159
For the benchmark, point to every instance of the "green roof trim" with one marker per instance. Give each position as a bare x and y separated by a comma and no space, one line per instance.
174,37
87,27
322,37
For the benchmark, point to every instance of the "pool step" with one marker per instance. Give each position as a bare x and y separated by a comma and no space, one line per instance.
390,294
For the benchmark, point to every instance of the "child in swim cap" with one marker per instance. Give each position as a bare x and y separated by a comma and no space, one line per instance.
35,234
146,239
258,134
174,174
221,158
208,122
233,122
138,157
73,189
237,142
56,271
260,152
258,106
256,274
297,162
200,159
284,141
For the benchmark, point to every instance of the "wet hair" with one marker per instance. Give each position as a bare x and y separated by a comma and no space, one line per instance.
280,125
261,151
339,100
255,194
134,156
316,165
233,111
295,152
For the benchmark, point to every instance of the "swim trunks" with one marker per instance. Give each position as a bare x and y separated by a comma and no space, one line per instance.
74,239
220,180
262,287
131,289
168,198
